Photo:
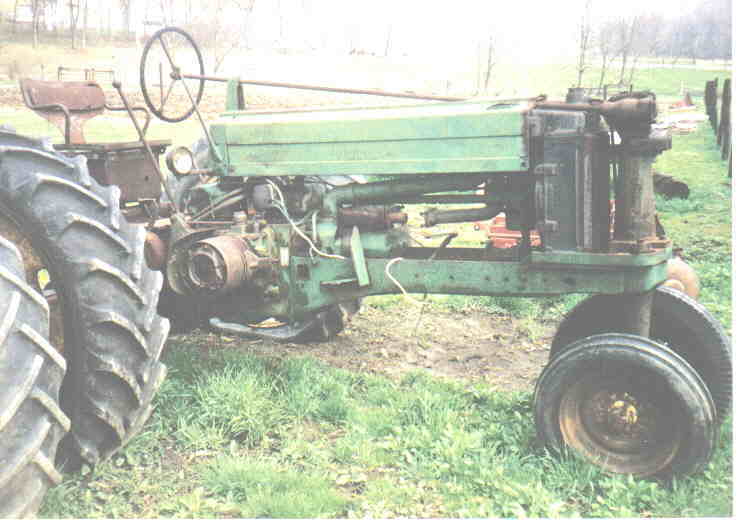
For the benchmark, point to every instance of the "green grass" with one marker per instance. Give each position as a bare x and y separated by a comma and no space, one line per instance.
266,489
554,80
331,443
701,224
110,127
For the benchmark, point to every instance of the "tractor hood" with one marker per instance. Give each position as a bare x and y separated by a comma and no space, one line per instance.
461,137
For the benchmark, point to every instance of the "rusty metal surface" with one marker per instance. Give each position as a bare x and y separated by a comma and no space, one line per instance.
381,217
617,425
66,104
435,216
220,264
628,115
634,218
131,166
76,96
503,238
155,251
161,181
366,92
125,165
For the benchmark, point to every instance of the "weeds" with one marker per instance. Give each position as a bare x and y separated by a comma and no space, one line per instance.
417,447
263,489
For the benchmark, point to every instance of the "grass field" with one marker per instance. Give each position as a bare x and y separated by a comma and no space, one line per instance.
240,436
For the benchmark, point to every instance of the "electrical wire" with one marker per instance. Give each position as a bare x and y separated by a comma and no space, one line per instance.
397,283
280,205
422,303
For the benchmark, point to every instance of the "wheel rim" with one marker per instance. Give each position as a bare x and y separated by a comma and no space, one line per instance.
678,322
38,276
622,427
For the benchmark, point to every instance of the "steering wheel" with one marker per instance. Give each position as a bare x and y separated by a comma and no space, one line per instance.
166,89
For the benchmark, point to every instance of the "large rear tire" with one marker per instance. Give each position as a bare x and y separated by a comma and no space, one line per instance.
103,296
31,372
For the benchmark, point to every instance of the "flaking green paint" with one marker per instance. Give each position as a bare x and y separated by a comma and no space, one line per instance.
428,138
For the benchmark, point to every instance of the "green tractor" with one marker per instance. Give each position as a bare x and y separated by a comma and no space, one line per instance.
267,217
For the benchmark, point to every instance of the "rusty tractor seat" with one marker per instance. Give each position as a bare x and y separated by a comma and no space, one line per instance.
69,105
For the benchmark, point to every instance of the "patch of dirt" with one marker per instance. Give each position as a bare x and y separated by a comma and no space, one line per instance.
471,345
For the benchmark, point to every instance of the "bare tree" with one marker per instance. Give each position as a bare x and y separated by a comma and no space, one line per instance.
84,23
125,6
37,6
74,15
648,36
585,37
388,40
626,39
215,28
606,43
168,10
486,60
38,9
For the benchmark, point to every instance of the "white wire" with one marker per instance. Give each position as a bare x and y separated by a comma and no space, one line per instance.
397,283
277,189
284,211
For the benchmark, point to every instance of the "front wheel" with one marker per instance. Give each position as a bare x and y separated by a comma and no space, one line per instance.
627,404
677,321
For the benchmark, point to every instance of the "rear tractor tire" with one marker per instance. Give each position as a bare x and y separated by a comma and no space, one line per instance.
31,373
627,404
88,262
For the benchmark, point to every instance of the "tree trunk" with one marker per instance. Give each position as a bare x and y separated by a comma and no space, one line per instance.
478,68
489,63
603,71
73,22
632,70
15,16
35,23
84,25
624,66
585,35
127,17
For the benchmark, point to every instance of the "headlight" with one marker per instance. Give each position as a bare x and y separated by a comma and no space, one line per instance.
180,161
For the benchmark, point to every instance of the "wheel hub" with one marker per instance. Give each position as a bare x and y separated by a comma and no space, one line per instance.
618,427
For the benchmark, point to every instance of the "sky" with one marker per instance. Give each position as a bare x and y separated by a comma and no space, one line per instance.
437,29
444,28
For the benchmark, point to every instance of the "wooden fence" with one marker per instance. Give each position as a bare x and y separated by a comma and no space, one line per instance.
721,119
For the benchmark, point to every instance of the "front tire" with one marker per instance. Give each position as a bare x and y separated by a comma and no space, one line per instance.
628,405
677,321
